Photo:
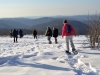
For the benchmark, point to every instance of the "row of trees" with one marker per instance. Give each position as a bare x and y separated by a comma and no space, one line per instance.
25,31
7,32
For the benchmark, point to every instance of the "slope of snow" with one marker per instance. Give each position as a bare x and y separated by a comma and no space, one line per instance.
36,57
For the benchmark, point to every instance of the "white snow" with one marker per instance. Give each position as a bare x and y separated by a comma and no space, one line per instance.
36,57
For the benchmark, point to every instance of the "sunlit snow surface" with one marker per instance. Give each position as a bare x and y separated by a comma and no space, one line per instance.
36,57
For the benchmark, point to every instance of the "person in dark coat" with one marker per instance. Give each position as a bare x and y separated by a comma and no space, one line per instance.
55,34
21,33
15,35
35,34
48,33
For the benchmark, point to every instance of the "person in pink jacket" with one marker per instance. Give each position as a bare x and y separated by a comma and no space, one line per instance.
67,32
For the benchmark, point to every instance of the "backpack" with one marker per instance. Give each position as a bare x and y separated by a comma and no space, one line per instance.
56,30
68,28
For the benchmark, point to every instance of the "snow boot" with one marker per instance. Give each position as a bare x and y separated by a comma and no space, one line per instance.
68,52
50,42
74,51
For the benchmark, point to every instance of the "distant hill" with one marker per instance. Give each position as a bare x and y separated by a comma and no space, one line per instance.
79,26
78,22
4,26
11,24
30,22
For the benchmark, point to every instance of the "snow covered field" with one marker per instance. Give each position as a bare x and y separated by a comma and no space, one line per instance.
36,57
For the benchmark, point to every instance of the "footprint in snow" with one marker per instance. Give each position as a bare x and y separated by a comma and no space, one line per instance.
32,49
28,51
27,56
61,59
35,54
54,58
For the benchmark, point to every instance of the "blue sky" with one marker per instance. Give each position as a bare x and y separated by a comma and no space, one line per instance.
24,8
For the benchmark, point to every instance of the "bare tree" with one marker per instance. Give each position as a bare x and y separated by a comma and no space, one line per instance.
94,31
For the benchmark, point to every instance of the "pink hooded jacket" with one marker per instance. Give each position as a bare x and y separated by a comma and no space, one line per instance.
65,33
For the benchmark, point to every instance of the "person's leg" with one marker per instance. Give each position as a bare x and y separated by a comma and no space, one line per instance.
20,35
14,39
55,40
49,39
36,36
71,42
73,47
67,42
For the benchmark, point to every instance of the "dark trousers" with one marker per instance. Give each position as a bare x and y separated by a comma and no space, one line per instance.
15,39
49,39
55,39
35,36
21,35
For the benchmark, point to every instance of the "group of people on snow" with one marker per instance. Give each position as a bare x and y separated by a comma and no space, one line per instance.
14,33
67,32
49,33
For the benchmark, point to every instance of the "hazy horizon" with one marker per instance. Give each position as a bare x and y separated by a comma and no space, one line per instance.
28,8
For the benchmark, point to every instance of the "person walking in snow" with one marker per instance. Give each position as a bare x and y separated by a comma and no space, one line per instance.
67,32
35,34
48,33
15,35
21,33
55,34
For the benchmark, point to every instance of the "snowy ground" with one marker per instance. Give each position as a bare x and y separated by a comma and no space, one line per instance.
36,57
